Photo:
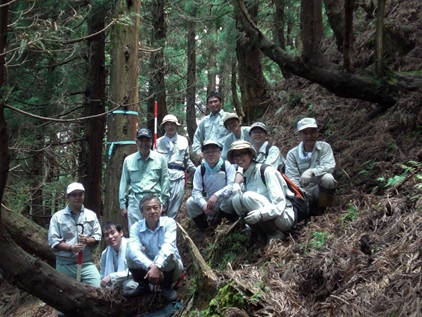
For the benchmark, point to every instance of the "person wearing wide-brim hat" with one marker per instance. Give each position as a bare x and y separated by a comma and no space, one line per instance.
262,204
232,122
175,148
311,164
265,151
212,188
143,172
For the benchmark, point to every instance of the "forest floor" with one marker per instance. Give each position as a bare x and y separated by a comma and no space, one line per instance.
363,256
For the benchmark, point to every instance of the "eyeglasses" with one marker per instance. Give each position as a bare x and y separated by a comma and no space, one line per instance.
239,155
76,194
211,152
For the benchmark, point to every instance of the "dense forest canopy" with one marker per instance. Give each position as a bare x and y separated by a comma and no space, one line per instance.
78,77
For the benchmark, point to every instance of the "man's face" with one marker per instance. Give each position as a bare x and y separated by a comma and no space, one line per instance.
309,137
113,238
144,144
232,124
151,210
212,154
258,136
214,104
170,128
76,199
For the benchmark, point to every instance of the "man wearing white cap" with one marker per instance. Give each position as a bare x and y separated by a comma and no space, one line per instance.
143,172
237,132
66,236
310,165
212,188
175,148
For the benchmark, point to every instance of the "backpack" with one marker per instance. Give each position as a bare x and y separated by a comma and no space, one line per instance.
222,169
299,203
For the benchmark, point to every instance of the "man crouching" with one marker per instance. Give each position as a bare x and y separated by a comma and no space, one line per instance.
152,255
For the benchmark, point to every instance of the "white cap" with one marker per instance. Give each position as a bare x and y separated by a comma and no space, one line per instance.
306,123
74,186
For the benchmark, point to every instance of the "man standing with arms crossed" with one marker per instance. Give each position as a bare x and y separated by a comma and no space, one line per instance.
212,126
143,172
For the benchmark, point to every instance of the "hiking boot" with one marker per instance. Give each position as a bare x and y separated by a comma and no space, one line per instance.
275,235
139,290
169,294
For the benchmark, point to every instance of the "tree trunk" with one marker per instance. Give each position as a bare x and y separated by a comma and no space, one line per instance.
279,24
379,39
254,87
90,171
157,84
336,18
191,79
311,22
28,235
362,86
121,127
348,35
4,139
236,102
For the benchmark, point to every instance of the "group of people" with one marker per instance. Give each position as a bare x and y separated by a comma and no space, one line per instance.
237,177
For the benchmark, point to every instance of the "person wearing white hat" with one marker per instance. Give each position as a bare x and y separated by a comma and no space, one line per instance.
310,165
66,236
212,189
263,205
232,123
175,148
211,127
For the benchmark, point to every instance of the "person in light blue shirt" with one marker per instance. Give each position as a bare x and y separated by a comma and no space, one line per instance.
310,165
212,188
237,132
265,151
143,172
211,127
152,255
264,205
113,265
66,239
175,148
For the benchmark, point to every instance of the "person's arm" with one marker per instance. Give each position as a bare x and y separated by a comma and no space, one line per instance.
230,174
164,181
124,182
276,193
327,162
292,169
197,190
198,138
274,157
169,246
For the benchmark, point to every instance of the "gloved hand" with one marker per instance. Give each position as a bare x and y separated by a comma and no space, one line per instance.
253,217
236,188
306,177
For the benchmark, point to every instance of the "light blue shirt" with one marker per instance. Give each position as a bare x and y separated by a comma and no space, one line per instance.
141,177
148,246
274,189
274,157
210,128
321,161
219,184
63,229
244,136
176,153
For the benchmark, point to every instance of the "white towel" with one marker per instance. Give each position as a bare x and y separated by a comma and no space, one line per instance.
121,259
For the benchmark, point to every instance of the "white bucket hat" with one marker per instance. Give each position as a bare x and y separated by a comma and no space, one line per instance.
169,118
237,146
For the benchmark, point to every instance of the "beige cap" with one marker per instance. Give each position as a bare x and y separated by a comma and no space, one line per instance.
228,116
237,146
169,118
259,125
